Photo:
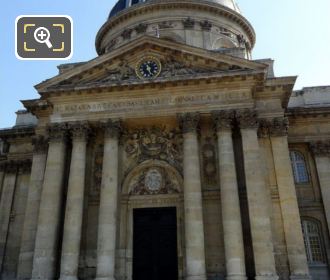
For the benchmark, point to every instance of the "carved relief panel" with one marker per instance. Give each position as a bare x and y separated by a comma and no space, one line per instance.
155,143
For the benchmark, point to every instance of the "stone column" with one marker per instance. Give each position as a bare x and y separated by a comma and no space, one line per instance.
106,242
288,200
74,203
231,215
257,198
25,262
2,175
47,237
193,204
321,151
6,201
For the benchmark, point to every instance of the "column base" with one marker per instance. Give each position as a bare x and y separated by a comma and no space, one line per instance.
300,277
198,277
67,277
236,277
267,277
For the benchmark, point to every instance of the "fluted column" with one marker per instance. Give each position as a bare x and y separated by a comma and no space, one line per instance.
193,205
106,243
74,203
8,190
47,237
25,262
257,198
321,151
288,200
231,215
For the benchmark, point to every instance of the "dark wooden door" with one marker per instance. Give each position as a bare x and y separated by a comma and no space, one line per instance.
155,244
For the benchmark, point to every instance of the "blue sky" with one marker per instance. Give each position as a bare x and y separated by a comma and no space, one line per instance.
295,33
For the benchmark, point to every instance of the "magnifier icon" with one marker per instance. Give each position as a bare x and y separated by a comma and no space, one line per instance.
42,35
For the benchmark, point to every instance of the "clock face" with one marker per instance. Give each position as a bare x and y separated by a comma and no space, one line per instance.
148,68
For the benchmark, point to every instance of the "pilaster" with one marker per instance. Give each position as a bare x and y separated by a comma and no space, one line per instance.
321,151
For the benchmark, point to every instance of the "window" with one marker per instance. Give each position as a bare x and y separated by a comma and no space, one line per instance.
299,167
313,242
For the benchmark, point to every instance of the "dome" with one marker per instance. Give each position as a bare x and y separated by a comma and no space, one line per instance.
123,4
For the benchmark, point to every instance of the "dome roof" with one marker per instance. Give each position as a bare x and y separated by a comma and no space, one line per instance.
123,4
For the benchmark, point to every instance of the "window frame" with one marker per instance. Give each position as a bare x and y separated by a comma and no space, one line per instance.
308,248
295,169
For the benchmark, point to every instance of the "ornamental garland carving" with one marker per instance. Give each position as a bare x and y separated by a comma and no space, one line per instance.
154,180
153,143
209,162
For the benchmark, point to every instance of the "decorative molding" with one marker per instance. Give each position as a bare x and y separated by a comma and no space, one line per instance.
188,23
40,144
189,122
112,128
141,28
122,72
320,148
206,25
209,158
126,34
57,132
247,118
152,181
79,130
153,143
223,120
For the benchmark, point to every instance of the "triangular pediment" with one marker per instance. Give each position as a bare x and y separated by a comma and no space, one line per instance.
178,62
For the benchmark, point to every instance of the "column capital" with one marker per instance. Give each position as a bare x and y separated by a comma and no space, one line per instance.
320,148
279,127
11,166
2,166
24,166
57,132
223,120
275,127
189,122
79,131
247,118
40,144
112,128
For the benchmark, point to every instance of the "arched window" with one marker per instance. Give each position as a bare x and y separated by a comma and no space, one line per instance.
313,242
299,167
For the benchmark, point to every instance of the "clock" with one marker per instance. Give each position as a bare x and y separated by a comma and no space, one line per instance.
148,68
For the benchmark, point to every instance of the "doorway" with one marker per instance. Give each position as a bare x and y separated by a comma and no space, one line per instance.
155,244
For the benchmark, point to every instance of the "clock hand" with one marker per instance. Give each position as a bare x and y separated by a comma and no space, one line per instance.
148,69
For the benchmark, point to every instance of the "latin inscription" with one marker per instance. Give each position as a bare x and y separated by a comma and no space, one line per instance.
164,102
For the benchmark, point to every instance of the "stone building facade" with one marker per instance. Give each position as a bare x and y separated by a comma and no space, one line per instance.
171,155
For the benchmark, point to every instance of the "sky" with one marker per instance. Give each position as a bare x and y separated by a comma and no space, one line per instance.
295,33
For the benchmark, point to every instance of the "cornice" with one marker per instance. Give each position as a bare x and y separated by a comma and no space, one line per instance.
232,76
308,112
17,132
173,4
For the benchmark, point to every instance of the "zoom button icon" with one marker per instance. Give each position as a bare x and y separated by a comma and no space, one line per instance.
44,37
